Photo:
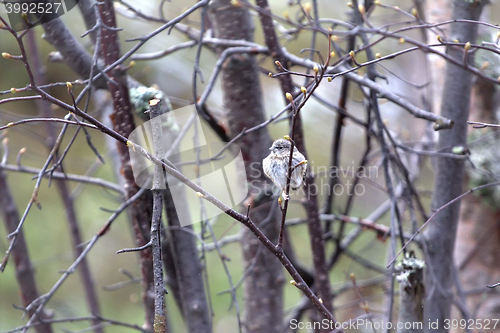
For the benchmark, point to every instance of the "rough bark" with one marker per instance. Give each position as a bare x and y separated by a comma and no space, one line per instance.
160,321
263,294
440,235
123,123
411,295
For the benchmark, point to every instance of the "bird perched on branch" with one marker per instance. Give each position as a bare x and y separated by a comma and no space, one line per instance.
275,165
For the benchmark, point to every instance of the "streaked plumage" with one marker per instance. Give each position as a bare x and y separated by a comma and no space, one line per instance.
275,165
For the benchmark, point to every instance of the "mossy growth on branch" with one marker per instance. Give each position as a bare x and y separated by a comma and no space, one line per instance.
140,97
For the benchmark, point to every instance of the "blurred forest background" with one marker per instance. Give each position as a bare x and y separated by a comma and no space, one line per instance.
415,76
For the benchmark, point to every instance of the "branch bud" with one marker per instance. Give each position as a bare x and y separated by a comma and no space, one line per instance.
270,74
200,194
378,55
467,46
286,137
414,12
352,54
293,282
69,85
307,7
329,79
315,69
361,9
460,150
13,90
6,55
334,38
303,89
402,40
440,39
289,96
332,54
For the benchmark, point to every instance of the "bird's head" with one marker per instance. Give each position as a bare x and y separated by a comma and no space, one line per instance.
280,146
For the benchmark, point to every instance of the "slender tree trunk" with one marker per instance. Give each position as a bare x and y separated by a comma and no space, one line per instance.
123,123
263,293
477,257
321,280
25,273
440,235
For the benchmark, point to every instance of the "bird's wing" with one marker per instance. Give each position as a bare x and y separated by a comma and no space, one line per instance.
297,158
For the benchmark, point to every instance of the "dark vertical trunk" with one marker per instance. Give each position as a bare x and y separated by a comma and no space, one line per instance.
263,294
25,273
123,122
321,280
441,233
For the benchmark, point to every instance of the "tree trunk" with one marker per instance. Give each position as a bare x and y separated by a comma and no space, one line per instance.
123,123
439,237
477,257
25,273
263,293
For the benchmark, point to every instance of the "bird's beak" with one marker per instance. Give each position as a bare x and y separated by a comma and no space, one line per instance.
271,148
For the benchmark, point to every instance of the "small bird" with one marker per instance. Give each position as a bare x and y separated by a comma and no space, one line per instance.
275,165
